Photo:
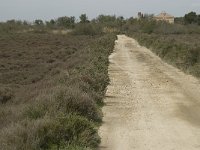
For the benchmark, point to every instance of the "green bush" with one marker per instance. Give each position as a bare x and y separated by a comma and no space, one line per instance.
51,133
74,100
35,112
87,29
148,26
68,130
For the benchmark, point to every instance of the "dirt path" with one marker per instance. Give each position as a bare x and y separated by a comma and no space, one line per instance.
149,105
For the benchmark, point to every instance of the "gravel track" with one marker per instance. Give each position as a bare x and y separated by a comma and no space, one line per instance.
150,105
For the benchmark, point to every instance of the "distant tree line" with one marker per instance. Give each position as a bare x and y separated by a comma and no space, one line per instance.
110,20
104,23
189,18
192,18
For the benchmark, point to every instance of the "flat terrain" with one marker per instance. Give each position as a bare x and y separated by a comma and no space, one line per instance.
150,105
51,89
30,63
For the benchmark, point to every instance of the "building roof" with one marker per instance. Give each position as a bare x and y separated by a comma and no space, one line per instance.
164,15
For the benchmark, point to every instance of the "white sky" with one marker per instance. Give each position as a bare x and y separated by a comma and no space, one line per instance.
48,9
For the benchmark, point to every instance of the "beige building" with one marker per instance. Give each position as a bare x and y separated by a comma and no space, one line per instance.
165,17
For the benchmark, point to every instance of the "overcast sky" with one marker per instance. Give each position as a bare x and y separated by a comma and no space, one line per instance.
48,9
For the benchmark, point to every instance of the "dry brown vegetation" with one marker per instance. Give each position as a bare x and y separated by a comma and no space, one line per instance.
51,90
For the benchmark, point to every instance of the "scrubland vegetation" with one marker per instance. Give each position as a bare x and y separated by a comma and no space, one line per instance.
54,74
52,86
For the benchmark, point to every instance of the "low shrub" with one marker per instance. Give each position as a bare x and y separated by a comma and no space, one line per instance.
51,133
68,130
36,111
73,100
87,29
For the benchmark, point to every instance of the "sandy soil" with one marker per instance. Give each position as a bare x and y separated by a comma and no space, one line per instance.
150,105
